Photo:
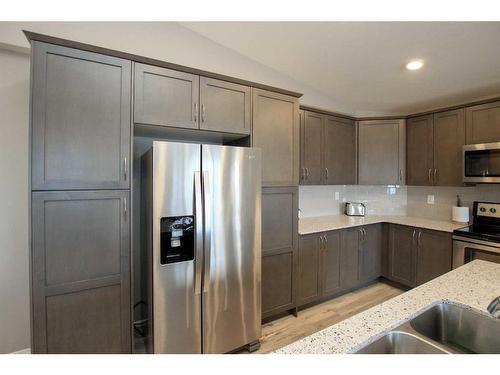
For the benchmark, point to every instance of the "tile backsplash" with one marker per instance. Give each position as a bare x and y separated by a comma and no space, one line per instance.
392,200
379,200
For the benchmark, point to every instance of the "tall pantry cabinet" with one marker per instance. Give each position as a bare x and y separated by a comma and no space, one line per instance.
80,215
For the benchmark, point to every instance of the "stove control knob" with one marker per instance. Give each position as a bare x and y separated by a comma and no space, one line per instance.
482,209
493,210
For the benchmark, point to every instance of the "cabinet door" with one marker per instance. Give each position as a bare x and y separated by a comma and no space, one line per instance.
371,253
80,119
276,132
277,283
483,123
381,152
339,151
330,264
81,272
349,258
165,97
449,137
434,254
402,251
308,280
279,249
225,106
419,150
311,150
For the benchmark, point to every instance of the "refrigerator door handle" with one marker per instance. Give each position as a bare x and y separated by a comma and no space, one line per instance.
208,231
198,212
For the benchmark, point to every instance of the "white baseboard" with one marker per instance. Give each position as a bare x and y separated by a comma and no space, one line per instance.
23,351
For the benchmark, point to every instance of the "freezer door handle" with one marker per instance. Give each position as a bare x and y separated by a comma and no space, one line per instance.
208,230
198,212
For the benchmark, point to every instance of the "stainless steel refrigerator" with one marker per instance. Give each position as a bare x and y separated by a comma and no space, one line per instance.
203,231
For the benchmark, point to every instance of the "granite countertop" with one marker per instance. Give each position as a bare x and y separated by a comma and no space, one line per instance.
473,285
326,223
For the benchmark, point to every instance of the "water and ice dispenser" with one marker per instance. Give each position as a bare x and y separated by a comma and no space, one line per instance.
177,239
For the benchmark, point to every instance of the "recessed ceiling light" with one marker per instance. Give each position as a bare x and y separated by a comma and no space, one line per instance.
415,65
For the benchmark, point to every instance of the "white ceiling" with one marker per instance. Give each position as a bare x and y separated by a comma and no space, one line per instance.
361,64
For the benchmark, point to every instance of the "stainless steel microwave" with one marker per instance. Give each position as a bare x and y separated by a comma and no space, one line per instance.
481,163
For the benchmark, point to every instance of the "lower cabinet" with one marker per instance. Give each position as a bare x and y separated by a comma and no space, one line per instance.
279,249
338,260
80,264
418,255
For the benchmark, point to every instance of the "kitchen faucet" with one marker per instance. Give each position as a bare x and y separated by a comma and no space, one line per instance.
494,308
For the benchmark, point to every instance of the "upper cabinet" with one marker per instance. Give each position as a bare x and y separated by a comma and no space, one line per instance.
434,149
165,97
225,106
327,153
381,152
483,123
276,132
80,119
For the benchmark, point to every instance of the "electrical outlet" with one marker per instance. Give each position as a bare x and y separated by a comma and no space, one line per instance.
430,199
337,195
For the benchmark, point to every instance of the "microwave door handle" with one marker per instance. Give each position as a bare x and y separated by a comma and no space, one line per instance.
198,213
208,231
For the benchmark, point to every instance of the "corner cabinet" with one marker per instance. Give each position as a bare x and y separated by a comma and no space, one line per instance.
276,133
80,215
279,250
381,152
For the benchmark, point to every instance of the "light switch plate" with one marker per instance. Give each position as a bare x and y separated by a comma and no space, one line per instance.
337,195
430,199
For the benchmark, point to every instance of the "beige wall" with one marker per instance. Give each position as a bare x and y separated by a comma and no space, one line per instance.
14,261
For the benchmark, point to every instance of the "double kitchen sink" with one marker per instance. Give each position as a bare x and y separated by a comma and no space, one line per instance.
442,329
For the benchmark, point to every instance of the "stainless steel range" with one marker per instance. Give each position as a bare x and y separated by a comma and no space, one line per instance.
481,240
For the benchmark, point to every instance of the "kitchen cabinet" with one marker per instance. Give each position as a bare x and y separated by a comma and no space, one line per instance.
80,264
327,151
434,254
418,255
350,257
279,249
165,97
330,264
381,152
80,119
339,151
434,149
483,123
420,150
309,260
371,252
276,133
225,106
311,156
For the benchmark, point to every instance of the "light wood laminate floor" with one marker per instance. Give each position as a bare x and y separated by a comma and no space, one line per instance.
288,329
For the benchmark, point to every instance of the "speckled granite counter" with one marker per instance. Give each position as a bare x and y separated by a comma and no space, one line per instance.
473,285
325,223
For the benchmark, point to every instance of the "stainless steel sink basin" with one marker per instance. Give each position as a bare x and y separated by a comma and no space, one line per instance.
443,328
459,329
397,342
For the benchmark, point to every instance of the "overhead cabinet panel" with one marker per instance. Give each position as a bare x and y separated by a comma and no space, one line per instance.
165,97
339,151
381,152
276,133
483,123
80,119
419,150
311,148
225,106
